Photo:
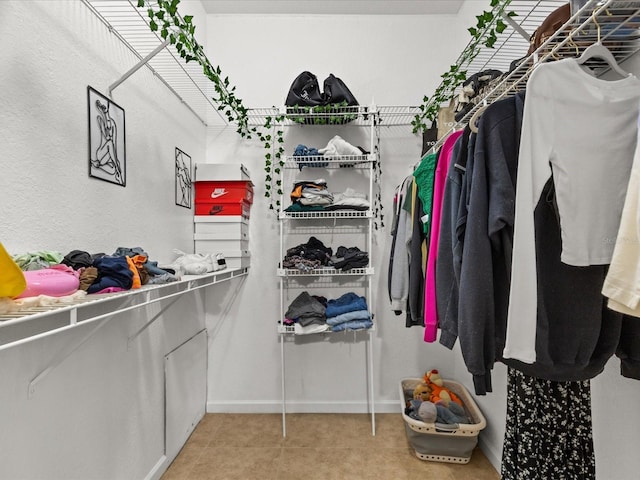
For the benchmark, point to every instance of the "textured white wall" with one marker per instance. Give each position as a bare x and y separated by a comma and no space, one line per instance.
51,52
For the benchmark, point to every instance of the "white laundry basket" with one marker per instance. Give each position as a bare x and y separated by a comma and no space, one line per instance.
431,442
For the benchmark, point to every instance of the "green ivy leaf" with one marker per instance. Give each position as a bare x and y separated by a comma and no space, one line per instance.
140,3
188,18
153,26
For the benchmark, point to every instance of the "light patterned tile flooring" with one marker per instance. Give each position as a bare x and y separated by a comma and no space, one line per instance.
317,447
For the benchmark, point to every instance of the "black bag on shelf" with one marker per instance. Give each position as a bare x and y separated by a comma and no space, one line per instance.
335,91
305,92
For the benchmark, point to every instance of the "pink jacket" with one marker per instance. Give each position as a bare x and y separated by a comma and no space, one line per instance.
430,311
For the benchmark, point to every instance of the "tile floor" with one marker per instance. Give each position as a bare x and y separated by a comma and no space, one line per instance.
317,447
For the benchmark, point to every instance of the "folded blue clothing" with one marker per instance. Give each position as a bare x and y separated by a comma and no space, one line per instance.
304,151
352,325
348,302
349,316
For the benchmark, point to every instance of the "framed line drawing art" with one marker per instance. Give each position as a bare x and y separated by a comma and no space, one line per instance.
184,186
107,153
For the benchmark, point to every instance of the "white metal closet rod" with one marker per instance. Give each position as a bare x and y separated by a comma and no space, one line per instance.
137,66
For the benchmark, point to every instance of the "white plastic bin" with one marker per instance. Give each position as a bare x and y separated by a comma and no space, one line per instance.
436,444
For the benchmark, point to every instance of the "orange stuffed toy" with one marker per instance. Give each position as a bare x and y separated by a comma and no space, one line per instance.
439,393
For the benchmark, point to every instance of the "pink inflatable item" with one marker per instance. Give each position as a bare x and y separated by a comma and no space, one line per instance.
49,281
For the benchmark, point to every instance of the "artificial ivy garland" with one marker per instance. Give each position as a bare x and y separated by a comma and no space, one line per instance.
484,34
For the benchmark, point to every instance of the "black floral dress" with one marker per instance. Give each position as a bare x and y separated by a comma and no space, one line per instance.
548,433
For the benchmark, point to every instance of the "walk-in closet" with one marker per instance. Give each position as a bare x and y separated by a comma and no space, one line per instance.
337,239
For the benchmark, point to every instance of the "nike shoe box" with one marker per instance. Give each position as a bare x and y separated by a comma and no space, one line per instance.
228,208
206,172
225,227
207,243
223,191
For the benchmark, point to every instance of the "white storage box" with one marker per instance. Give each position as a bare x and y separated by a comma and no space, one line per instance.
206,172
430,441
205,244
225,227
237,258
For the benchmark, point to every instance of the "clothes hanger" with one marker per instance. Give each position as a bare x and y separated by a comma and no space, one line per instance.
598,50
473,121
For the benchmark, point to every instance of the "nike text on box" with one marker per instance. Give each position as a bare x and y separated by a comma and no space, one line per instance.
223,191
217,207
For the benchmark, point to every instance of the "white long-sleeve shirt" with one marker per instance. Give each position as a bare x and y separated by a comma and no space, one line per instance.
622,284
582,131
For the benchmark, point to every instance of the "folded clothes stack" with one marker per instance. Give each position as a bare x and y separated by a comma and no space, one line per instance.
347,258
313,314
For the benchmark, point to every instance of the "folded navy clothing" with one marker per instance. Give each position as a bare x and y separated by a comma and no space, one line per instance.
348,302
302,151
112,272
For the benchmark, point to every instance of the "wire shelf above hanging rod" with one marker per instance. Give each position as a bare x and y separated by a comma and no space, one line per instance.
615,23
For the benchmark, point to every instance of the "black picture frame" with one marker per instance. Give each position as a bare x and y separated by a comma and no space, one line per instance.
184,184
107,148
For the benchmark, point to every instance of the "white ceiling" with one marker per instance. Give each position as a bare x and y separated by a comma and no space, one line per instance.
368,7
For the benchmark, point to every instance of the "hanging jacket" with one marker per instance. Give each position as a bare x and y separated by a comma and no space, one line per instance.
576,334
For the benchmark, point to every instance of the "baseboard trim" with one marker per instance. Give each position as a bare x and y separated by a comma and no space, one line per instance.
158,469
249,406
494,458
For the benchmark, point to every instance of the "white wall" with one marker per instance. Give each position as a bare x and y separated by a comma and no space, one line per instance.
392,60
51,52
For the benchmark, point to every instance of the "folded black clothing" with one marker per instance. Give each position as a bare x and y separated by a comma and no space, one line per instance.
348,258
314,249
306,307
77,259
354,263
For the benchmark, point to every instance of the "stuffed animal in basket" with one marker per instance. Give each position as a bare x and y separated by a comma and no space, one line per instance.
422,392
422,408
439,393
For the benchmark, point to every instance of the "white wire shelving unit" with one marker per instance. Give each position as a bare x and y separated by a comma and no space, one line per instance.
324,272
186,81
20,325
79,311
361,170
614,23
357,115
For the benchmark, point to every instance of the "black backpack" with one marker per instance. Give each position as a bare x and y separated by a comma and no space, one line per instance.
305,91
